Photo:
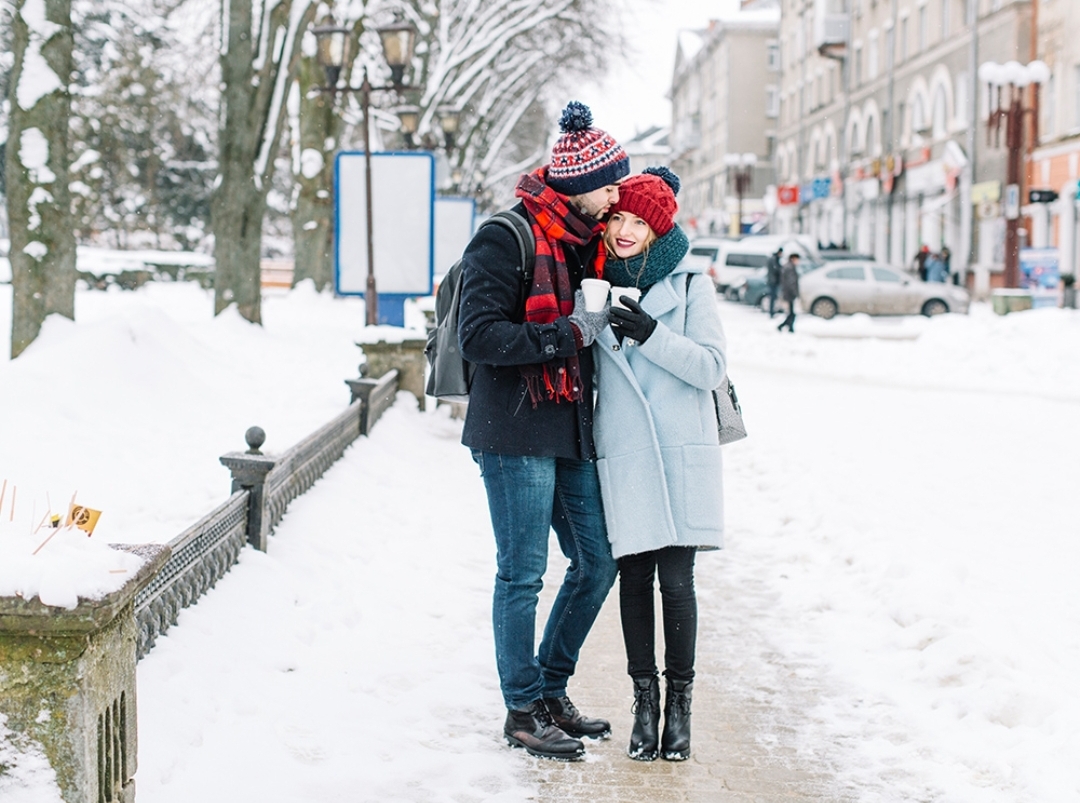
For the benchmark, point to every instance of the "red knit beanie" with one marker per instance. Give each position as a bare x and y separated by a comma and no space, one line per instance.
651,196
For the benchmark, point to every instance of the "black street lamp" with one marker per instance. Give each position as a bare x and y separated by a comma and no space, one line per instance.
398,40
1011,79
448,122
741,174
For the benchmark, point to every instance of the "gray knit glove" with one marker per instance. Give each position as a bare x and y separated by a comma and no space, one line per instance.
589,324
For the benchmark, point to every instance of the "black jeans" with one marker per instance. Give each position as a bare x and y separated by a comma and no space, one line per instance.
789,321
675,566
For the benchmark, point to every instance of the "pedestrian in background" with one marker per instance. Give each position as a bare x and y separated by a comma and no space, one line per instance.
772,279
920,262
935,268
529,425
789,290
659,458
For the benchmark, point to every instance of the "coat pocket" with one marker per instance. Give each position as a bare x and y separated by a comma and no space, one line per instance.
703,488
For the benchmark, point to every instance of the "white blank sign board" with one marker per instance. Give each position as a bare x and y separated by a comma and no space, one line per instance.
403,222
453,230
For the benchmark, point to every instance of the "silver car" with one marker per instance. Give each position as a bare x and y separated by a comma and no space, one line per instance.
876,289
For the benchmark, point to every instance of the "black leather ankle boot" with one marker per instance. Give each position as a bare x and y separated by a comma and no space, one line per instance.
645,736
675,743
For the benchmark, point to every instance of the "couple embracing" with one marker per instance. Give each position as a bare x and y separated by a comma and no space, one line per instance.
598,425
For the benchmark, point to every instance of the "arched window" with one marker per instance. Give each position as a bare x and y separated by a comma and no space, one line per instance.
941,112
871,137
854,143
918,115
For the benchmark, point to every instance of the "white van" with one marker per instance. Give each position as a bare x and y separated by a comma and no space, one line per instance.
729,262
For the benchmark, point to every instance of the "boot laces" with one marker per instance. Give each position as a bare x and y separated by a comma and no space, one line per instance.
641,699
569,710
542,715
680,701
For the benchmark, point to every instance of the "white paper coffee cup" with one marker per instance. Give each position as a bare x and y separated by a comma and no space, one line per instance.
618,292
596,293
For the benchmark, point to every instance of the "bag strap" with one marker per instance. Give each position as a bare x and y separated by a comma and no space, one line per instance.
522,231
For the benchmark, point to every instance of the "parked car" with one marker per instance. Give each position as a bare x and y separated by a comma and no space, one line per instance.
731,262
876,289
839,254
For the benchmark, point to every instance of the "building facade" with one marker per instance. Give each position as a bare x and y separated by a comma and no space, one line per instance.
724,95
1055,163
882,138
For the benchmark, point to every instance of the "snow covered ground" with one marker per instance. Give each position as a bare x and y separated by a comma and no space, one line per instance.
908,494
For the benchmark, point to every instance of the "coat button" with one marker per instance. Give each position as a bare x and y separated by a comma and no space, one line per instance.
616,347
549,350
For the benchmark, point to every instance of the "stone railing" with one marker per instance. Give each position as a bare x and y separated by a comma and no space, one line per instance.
263,486
67,678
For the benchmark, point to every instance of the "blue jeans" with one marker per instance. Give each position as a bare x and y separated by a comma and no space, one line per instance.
528,497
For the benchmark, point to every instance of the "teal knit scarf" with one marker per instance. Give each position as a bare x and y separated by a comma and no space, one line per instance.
650,266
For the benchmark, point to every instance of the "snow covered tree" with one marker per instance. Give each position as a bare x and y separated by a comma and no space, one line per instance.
319,123
143,119
260,47
500,65
42,252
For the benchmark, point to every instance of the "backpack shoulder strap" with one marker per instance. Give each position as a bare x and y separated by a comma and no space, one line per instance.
521,230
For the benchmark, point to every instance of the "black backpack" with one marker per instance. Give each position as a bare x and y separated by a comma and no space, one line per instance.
451,374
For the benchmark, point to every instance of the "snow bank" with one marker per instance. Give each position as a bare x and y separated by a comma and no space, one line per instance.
67,565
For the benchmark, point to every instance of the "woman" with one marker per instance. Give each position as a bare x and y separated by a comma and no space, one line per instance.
656,440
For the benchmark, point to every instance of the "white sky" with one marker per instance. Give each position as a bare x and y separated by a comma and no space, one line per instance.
633,96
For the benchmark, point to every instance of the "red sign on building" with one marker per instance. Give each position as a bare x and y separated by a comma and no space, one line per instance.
787,194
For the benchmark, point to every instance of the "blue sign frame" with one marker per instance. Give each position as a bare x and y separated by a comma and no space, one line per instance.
391,212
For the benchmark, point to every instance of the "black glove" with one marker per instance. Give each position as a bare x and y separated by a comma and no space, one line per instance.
632,322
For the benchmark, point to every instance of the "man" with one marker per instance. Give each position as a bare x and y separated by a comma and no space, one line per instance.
772,279
920,262
529,424
789,289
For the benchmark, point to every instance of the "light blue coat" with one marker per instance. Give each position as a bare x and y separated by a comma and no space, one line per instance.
655,431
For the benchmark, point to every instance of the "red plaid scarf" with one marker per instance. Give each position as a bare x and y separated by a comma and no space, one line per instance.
551,296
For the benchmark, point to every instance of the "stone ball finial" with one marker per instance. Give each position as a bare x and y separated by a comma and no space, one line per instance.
255,437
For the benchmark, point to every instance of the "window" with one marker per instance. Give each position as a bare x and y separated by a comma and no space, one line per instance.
1048,105
903,38
772,55
872,56
890,48
849,274
747,260
1076,96
918,115
772,101
941,114
871,137
882,275
923,31
857,59
946,13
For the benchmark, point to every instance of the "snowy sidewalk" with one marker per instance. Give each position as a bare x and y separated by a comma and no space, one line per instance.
746,701
353,661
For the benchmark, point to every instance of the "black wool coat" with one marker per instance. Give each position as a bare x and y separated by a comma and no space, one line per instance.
494,335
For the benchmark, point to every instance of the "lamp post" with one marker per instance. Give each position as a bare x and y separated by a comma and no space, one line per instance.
740,169
448,122
1007,83
398,40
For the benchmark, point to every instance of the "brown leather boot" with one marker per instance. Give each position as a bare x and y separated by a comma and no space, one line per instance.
533,729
